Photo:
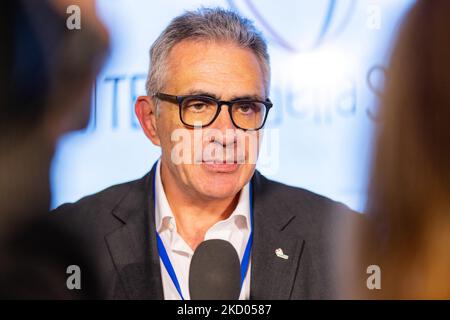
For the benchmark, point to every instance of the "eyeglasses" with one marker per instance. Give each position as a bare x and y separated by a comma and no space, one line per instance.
202,111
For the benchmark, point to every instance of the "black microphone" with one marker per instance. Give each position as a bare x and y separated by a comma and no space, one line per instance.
215,272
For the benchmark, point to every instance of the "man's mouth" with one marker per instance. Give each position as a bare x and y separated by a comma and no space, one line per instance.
217,161
220,166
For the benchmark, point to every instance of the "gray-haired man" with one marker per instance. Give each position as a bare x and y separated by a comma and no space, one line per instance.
209,83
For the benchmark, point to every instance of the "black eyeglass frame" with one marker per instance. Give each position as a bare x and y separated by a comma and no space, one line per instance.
179,100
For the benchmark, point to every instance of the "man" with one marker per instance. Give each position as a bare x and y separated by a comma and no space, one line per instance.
208,82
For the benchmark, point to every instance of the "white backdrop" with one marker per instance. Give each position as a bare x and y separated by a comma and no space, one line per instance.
327,59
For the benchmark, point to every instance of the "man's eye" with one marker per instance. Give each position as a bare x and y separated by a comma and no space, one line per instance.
246,108
197,107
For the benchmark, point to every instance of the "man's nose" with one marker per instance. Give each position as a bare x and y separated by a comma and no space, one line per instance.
224,124
223,120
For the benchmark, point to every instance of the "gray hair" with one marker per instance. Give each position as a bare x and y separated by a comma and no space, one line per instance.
206,24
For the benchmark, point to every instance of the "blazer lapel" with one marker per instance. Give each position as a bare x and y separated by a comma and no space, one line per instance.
133,245
272,276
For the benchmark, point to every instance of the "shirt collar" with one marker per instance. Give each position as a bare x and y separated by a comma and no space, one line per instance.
164,216
163,212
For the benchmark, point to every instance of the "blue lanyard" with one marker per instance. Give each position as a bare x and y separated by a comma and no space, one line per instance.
165,257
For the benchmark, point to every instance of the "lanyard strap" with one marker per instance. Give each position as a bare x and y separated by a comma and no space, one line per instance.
166,261
165,257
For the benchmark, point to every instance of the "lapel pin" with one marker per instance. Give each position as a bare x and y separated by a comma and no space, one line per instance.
280,254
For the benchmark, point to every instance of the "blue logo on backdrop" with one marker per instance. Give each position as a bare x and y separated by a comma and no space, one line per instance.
328,23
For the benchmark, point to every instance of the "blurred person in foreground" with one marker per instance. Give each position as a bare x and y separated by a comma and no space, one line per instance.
46,76
208,85
408,235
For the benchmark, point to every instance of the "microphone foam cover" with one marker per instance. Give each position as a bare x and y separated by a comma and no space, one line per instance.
215,272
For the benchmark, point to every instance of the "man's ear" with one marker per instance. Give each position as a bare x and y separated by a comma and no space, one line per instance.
145,109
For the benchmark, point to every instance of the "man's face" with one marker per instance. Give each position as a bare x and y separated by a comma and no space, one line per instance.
226,72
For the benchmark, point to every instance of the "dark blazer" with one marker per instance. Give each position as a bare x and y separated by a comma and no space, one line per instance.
119,225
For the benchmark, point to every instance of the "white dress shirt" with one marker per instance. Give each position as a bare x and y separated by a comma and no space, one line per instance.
235,229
